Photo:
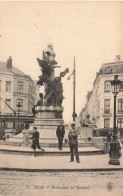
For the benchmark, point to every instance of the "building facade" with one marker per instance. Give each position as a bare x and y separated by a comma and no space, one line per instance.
100,101
16,87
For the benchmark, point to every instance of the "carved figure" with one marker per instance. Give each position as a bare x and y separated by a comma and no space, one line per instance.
53,85
46,70
50,53
87,122
39,103
47,65
54,91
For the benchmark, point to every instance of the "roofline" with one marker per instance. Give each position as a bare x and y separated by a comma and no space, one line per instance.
17,74
117,62
100,76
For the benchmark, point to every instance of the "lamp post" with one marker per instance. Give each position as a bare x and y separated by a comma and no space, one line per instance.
74,115
18,106
114,155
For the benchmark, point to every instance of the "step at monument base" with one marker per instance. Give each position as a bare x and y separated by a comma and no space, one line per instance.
48,151
43,143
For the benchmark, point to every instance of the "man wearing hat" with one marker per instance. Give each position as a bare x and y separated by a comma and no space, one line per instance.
35,140
73,142
60,131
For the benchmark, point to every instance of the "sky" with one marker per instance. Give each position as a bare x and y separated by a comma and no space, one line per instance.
92,32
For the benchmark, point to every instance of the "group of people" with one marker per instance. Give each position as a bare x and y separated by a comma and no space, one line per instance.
72,136
73,142
60,132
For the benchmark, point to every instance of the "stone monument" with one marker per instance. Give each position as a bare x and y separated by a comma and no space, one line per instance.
48,115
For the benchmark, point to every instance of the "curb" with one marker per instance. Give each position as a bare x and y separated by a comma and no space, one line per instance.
60,170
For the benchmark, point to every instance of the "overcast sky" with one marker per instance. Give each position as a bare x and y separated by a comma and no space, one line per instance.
90,31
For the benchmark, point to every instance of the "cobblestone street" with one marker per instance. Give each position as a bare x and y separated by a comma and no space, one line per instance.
62,183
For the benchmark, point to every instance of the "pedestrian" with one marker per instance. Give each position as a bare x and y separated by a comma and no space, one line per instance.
73,142
35,140
60,131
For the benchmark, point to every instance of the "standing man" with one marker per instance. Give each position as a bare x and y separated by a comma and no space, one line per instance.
60,131
73,142
35,140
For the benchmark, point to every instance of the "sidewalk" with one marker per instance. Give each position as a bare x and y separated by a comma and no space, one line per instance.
57,163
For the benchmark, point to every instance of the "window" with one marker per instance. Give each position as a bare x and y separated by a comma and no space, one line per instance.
8,86
107,86
2,125
106,122
9,125
20,87
121,86
120,122
21,103
120,105
0,84
8,102
107,106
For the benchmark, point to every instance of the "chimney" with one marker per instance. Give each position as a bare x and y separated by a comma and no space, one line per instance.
117,58
9,62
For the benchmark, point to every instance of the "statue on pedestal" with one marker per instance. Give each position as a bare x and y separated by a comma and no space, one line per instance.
53,91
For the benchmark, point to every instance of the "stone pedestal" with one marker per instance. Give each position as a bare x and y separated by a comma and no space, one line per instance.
86,132
46,120
26,135
9,133
101,143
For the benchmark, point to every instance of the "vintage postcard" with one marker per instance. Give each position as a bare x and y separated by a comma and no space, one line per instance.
61,98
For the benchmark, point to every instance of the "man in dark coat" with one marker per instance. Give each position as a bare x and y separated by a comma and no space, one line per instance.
60,131
35,140
73,143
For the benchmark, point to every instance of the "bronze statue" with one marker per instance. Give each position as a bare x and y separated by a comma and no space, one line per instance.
53,88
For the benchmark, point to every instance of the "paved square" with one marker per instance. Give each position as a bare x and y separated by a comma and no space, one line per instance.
62,183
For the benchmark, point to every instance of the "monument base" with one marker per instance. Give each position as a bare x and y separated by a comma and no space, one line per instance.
46,120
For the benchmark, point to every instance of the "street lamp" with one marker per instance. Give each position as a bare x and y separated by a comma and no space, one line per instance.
74,115
115,84
18,106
